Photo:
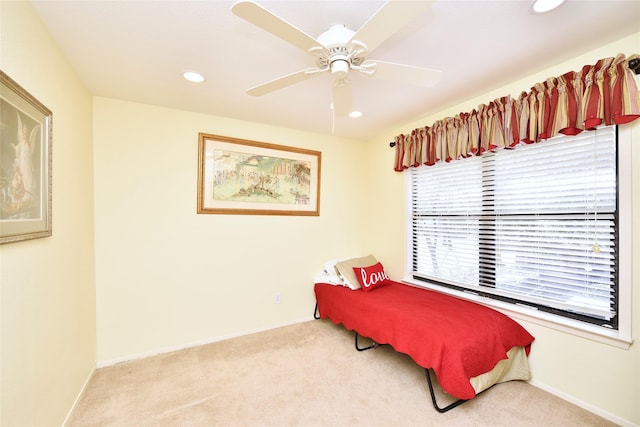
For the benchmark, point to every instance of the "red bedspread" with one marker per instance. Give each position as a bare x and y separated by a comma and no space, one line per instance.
458,339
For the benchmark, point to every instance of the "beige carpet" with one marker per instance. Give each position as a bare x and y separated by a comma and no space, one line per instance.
307,374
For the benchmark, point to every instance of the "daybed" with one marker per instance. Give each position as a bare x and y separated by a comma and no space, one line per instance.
469,347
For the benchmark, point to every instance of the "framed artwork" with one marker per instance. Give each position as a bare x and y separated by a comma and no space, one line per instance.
237,176
25,164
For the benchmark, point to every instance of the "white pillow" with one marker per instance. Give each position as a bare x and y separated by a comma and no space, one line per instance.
329,274
330,267
332,279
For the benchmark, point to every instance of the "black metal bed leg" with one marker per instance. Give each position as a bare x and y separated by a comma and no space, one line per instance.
374,345
433,397
316,314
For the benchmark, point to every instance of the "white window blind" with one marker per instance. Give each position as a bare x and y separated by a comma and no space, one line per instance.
535,225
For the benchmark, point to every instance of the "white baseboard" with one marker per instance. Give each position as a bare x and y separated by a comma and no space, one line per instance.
584,405
184,346
80,394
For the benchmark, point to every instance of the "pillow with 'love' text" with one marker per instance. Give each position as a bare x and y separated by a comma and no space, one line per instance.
371,277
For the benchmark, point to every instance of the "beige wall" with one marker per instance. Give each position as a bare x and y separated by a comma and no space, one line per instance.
47,285
167,277
601,377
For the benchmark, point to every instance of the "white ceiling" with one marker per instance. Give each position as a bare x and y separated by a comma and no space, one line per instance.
137,51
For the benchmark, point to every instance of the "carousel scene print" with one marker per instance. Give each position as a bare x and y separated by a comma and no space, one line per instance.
19,164
243,177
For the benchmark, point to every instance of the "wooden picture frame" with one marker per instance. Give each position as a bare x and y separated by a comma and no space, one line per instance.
25,164
237,176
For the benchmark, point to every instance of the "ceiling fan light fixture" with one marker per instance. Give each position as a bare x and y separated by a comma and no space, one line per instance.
339,69
193,76
543,6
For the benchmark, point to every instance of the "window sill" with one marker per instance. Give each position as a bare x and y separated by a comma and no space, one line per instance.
592,332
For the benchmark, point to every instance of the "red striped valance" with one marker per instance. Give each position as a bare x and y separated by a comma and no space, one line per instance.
604,93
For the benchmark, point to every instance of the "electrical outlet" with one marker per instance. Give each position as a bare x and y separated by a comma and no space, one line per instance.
278,298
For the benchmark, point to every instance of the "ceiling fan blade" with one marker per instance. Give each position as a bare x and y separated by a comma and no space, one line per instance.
387,20
284,81
418,76
342,100
261,17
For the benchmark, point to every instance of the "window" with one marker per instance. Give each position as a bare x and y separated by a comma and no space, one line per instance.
536,226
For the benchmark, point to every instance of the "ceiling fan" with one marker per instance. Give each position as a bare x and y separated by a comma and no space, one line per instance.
340,50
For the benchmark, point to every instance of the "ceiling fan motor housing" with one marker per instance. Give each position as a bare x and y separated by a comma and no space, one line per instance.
337,35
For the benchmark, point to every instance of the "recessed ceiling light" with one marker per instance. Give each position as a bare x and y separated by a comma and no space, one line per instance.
192,76
544,6
353,114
